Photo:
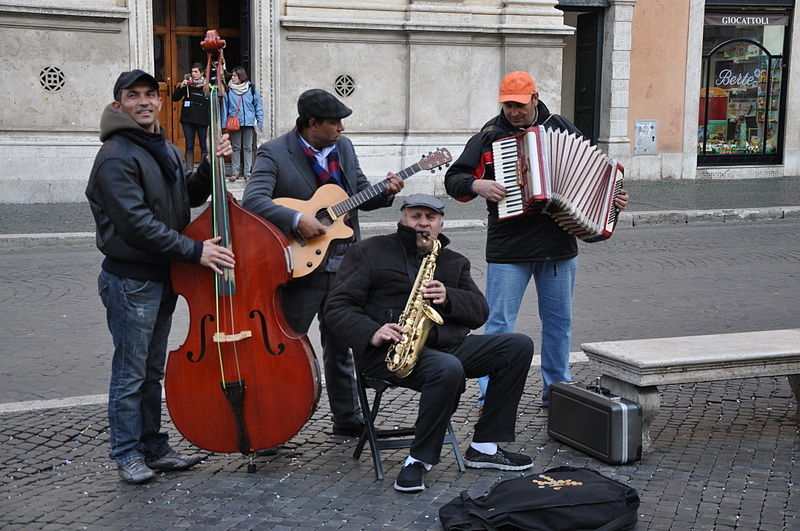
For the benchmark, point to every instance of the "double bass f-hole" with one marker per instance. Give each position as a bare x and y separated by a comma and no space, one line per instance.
265,334
234,337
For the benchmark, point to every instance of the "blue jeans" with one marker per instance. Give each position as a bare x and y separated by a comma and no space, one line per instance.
555,284
139,316
189,132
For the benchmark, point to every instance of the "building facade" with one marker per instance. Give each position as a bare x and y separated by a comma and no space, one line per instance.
419,74
711,83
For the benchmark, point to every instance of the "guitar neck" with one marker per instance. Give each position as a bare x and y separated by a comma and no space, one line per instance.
352,203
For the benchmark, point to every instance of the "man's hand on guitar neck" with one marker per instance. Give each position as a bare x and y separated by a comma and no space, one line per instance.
393,184
310,227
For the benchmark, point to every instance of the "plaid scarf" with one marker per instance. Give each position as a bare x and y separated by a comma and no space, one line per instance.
333,173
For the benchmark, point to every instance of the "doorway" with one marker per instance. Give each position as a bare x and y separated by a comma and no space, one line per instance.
178,28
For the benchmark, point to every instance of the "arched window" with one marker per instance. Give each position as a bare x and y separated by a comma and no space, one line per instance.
740,105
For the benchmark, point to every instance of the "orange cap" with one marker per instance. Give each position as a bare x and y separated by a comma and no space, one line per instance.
517,87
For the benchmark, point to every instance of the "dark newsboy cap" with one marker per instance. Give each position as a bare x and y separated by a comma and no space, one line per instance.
424,200
317,103
127,79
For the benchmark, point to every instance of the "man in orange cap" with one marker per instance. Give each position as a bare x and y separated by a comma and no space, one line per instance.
521,247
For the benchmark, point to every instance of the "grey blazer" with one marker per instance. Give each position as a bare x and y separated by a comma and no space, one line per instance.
282,169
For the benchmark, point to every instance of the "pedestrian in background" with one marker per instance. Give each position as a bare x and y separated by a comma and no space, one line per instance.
243,101
194,112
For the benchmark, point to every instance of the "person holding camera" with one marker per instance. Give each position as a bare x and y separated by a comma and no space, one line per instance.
194,113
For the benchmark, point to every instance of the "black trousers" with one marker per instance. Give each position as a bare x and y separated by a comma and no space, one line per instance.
302,299
439,377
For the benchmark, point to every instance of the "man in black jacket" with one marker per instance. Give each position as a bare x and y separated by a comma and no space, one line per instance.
531,245
140,194
370,292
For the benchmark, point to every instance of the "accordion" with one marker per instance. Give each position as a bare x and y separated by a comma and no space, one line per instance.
561,174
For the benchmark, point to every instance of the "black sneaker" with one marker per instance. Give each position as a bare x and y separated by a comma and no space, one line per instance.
173,461
501,460
410,478
135,471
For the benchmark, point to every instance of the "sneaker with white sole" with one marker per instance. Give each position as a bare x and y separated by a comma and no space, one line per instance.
410,478
501,460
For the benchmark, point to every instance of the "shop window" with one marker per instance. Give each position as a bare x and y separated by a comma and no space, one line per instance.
740,119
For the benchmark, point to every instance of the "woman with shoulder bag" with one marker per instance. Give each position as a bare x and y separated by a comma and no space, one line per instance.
194,112
243,102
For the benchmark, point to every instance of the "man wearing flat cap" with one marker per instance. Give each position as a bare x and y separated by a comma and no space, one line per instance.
140,194
371,290
314,153
521,247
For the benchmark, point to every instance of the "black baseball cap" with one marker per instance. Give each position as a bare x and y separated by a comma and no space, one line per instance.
127,80
321,104
424,200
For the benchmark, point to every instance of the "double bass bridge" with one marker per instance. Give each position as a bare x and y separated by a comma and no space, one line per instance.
221,337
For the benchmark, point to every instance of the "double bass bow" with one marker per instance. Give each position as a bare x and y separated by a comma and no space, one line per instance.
243,380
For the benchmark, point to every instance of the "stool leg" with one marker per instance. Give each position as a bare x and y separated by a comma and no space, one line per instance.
451,435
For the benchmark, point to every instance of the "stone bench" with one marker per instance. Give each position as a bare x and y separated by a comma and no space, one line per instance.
634,369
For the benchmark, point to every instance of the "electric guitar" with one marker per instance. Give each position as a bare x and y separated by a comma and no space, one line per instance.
330,204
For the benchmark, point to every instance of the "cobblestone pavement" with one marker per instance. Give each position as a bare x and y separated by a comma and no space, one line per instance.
726,457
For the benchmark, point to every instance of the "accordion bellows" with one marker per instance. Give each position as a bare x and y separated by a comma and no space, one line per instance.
561,174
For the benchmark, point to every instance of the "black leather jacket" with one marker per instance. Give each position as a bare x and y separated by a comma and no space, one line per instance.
373,284
139,209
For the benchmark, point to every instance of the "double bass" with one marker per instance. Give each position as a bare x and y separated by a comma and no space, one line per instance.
243,380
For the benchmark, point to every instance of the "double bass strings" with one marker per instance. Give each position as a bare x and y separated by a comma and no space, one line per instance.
224,284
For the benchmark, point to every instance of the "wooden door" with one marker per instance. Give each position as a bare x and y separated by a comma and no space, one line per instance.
178,28
588,55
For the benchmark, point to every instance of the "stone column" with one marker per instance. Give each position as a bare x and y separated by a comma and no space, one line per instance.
140,35
613,135
265,56
694,80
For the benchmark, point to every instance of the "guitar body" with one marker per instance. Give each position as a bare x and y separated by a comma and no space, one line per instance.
309,254
331,205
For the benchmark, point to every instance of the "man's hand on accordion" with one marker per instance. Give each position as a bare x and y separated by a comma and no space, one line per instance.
491,190
622,200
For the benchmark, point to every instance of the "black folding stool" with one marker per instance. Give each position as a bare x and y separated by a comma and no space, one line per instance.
384,439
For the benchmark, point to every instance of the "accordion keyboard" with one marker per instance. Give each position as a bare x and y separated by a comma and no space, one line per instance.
507,173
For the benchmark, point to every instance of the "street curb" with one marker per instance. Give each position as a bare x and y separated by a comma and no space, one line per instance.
677,217
93,400
626,219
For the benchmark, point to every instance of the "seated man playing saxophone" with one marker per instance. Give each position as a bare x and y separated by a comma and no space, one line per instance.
374,296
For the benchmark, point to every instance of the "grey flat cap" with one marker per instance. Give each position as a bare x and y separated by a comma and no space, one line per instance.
424,200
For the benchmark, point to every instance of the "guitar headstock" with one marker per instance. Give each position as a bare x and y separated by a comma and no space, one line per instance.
440,157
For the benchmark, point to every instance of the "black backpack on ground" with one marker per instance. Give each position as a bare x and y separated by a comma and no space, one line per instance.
563,498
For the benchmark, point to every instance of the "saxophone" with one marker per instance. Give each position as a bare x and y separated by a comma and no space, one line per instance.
417,319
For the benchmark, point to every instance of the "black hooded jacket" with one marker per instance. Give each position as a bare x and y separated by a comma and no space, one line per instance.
527,238
140,195
374,282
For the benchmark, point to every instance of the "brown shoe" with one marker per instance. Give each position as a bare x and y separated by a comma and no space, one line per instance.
233,178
